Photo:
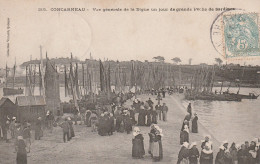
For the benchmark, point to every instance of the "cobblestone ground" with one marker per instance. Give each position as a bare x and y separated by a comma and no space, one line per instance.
89,147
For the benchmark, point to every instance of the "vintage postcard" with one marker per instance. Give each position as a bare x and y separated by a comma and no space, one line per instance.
133,81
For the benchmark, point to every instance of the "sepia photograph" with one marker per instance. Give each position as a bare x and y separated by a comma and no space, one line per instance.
129,82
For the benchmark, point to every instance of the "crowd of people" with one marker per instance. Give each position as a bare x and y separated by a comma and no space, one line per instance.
244,153
21,133
121,119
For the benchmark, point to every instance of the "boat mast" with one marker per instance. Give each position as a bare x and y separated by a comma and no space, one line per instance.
212,79
73,86
241,79
180,76
83,80
6,74
221,87
42,74
14,72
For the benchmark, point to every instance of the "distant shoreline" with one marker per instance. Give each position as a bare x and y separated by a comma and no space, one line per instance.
188,85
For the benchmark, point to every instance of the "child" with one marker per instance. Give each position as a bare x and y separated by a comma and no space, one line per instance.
93,121
65,126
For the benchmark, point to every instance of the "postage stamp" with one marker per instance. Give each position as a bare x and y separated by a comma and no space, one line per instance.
240,35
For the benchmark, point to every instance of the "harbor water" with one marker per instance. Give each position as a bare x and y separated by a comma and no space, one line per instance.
230,120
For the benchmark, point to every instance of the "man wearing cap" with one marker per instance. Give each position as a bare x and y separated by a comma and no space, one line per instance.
164,111
27,135
65,127
18,129
189,110
159,111
12,127
159,98
49,120
150,102
38,130
71,129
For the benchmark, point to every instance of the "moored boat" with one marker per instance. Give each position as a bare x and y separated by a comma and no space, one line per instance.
212,97
249,96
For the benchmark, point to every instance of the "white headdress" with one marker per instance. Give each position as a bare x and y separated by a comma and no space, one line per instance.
20,137
185,144
222,147
136,131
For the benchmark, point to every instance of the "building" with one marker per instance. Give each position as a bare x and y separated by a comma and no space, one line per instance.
2,79
7,108
29,108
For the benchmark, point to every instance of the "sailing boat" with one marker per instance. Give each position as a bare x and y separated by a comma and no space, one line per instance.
206,93
241,96
11,91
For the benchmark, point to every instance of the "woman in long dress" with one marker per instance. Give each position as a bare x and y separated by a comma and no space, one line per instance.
158,149
20,147
141,116
154,116
138,144
220,158
194,153
101,125
184,135
194,128
127,122
183,154
151,139
149,117
206,156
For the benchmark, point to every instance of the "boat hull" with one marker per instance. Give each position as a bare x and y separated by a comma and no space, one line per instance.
250,96
212,97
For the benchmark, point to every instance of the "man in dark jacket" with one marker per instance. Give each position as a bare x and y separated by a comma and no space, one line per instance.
65,127
164,111
38,129
159,111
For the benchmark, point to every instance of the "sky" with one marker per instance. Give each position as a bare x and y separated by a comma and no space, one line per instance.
114,35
